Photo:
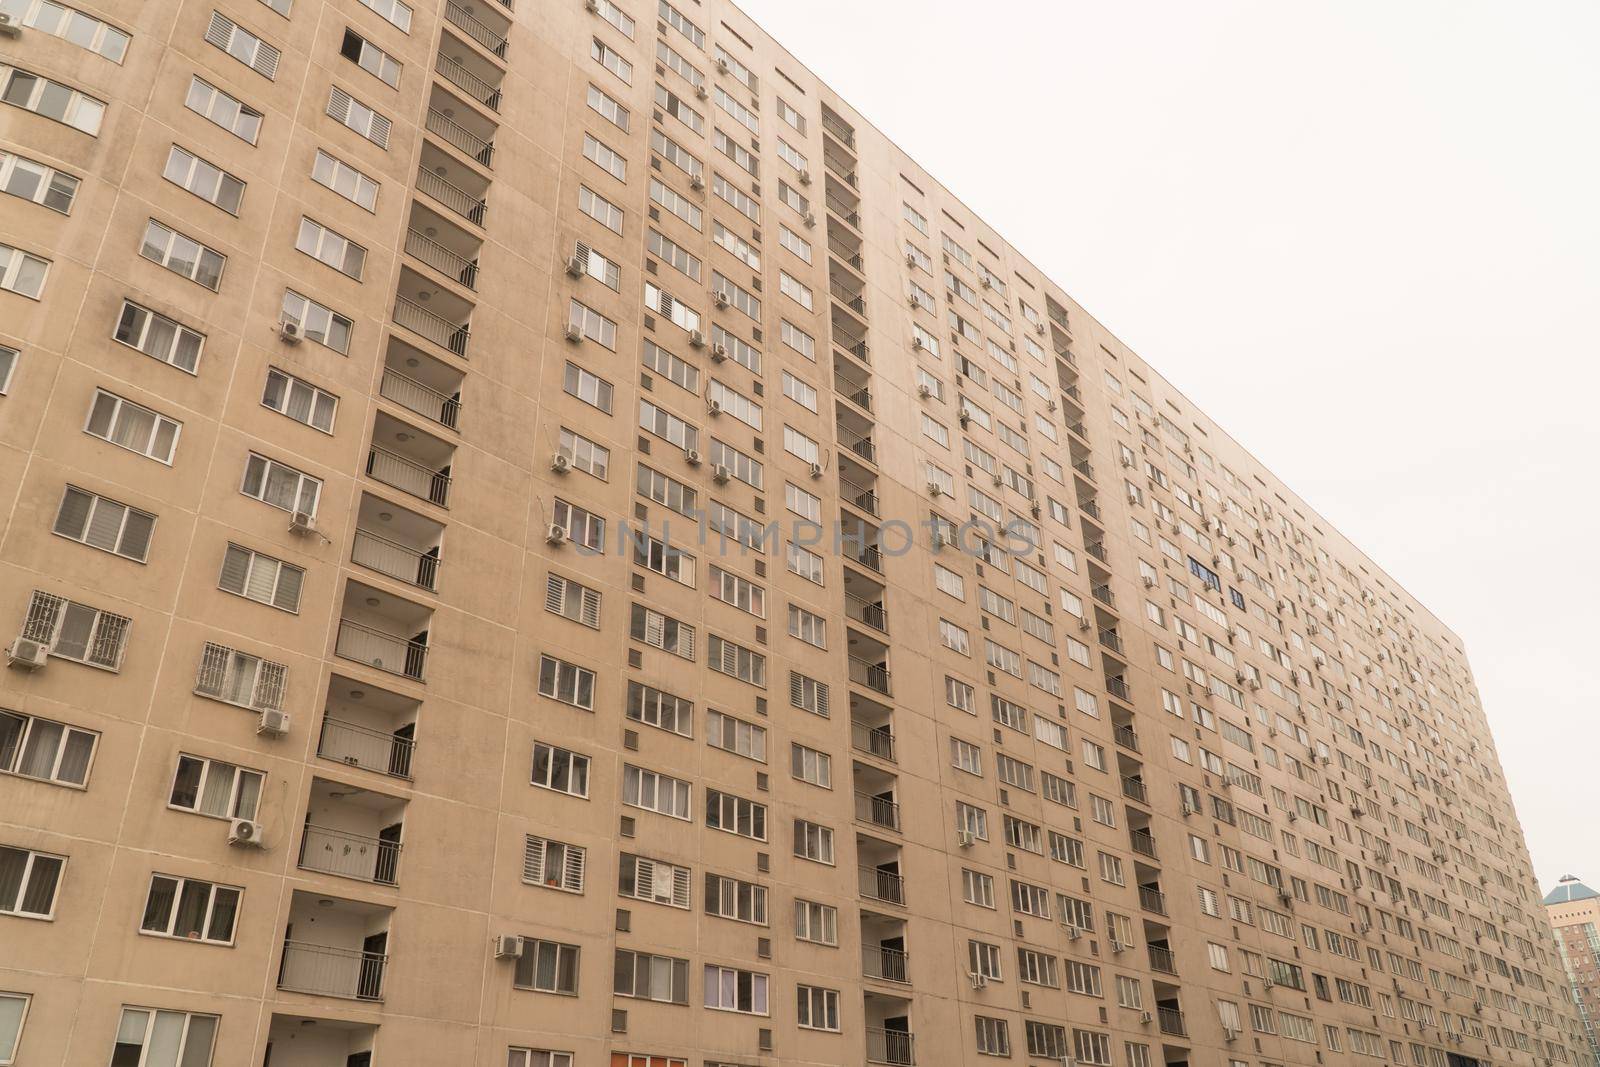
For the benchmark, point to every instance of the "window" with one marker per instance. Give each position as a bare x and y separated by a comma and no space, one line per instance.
235,677
553,864
994,1036
736,815
80,29
658,792
984,959
102,523
662,631
233,115
560,769
1038,968
45,750
399,14
345,180
817,1009
299,400
966,756
732,898
190,909
808,627
664,711
13,1013
261,578
535,1057
737,736
977,888
243,45
730,989
37,183
353,114
28,882
22,273
206,180
972,820
653,880
591,324
610,59
158,336
725,657
133,426
216,789
608,108
318,323
586,455
592,390
547,967
570,600
647,977
370,58
280,486
1046,1040
818,923
76,631
334,249
616,16
600,209
808,694
566,682
1092,1048
147,1037
51,99
809,765
813,841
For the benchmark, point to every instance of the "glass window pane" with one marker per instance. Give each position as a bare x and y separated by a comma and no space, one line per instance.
39,755
158,906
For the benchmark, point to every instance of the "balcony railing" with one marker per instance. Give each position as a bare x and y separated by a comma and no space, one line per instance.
1110,639
1103,594
1162,959
1152,900
874,676
861,446
883,885
1089,508
458,135
1133,789
868,556
372,750
893,1047
348,855
1143,842
409,476
452,196
873,740
1126,737
484,93
884,963
451,264
1097,550
1077,428
421,399
464,20
839,131
1119,689
446,334
869,613
1170,1020
1084,468
386,652
398,561
879,811
332,972
865,499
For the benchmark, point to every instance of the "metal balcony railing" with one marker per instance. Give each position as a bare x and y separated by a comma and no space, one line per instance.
349,855
879,811
1110,639
858,349
1133,789
1097,550
870,613
1103,594
865,499
868,556
451,264
332,972
884,963
874,676
1119,689
1126,737
398,561
1090,508
1170,1020
885,886
421,399
860,445
894,1047
1143,843
386,652
458,135
1077,428
1084,468
1152,900
464,20
1162,959
409,476
480,90
448,335
858,394
839,131
359,746
452,196
873,740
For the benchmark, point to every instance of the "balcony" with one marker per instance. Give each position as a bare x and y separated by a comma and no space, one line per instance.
852,385
367,727
421,384
887,1020
397,543
372,630
1103,594
352,833
458,126
1085,468
838,128
1170,1021
858,496
438,244
470,72
874,676
883,948
879,870
1162,960
454,186
1112,640
879,810
872,740
1125,737
1119,689
860,444
335,948
1142,842
842,201
320,1042
1133,789
409,460
838,160
1098,550
432,313
486,28
1153,900
867,612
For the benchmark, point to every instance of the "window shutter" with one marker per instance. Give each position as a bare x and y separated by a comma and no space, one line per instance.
339,105
269,685
555,596
235,569
680,887
644,878
379,134
220,32
266,63
74,513
572,877
290,579
105,524
686,641
533,861
589,615
654,629
136,535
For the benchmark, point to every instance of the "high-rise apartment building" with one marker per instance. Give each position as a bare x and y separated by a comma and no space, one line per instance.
535,537
1574,911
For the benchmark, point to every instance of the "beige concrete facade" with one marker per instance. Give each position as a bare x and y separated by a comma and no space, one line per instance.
1574,911
1169,773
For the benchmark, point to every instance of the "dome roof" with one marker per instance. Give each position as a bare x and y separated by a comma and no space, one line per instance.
1569,890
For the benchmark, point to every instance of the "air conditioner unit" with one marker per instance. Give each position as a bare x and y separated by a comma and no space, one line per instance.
816,470
924,391
697,339
591,6
577,266
719,352
722,65
1073,933
696,182
1084,624
1149,582
934,489
939,540
1034,508
811,219
290,331
26,654
1230,1034
692,456
964,417
1049,405
805,177
1189,809
911,260
713,407
1283,896
561,463
273,723
720,299
965,838
508,947
556,534
999,481
721,474
574,334
700,91
1118,946
302,522
978,980
1038,327
244,833
10,26
1145,1017
1267,983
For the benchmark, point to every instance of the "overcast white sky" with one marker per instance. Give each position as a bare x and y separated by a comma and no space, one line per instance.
1365,237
